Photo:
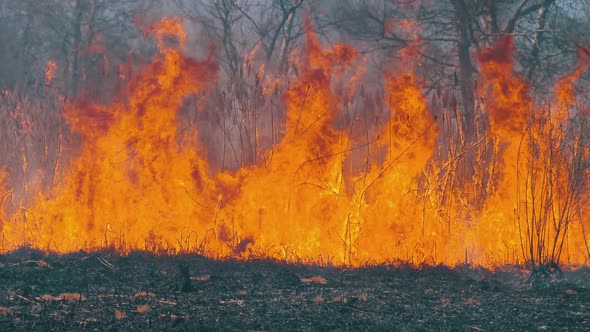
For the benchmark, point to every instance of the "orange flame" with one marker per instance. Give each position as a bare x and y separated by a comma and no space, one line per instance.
114,194
3,195
293,206
564,89
339,187
389,210
509,101
533,162
50,71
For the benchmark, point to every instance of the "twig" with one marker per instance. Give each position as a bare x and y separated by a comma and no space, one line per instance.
356,309
301,111
36,262
334,154
26,299
138,172
582,48
104,262
395,160
193,199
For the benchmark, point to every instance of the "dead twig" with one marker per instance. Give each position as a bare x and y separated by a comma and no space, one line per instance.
26,299
104,262
39,263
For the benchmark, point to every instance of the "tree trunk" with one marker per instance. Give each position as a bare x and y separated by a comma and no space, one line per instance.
75,49
284,65
24,63
465,65
538,38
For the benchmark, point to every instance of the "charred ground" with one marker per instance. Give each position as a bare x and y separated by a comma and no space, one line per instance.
91,291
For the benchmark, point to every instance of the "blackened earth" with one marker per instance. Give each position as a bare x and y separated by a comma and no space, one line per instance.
142,292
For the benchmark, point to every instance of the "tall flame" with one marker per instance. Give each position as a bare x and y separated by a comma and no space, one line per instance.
133,178
342,186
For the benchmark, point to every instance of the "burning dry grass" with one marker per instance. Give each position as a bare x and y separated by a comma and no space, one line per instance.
344,175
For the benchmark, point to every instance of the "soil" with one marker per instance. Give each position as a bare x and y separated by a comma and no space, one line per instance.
103,291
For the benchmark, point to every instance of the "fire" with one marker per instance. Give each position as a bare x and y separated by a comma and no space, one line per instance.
495,235
50,71
508,102
388,202
294,205
564,89
536,196
3,195
343,184
134,183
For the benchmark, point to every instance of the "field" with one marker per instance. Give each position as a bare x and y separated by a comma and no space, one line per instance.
140,291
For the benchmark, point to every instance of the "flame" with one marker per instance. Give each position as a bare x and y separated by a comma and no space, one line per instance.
534,178
50,70
564,89
3,195
389,204
344,185
508,106
508,103
133,177
293,205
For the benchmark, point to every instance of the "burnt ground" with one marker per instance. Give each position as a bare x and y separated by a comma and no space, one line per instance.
91,291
